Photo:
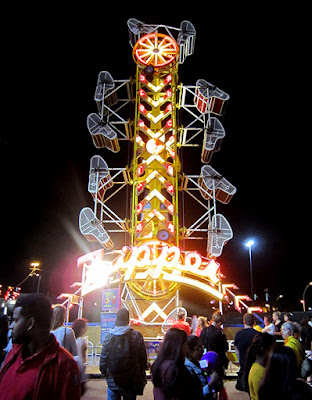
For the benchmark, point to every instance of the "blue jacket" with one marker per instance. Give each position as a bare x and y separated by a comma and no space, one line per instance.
195,370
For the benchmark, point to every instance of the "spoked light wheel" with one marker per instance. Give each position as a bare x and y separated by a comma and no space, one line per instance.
155,49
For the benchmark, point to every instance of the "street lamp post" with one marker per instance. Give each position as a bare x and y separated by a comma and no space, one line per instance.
303,296
249,245
35,271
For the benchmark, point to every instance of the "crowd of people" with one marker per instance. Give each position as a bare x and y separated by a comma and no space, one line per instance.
274,362
44,359
41,358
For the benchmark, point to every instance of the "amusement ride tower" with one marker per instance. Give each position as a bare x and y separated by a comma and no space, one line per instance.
145,111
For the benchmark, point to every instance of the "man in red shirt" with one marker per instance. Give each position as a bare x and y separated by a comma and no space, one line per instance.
182,324
37,367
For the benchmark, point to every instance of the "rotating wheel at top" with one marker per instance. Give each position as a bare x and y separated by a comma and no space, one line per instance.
155,49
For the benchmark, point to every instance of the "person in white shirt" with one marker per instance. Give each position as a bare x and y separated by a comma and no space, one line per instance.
269,327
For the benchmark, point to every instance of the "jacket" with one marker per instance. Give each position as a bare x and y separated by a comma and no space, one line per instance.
183,325
297,347
138,349
58,374
215,340
197,371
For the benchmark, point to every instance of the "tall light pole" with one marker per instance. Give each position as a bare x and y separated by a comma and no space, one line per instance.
303,296
249,245
35,271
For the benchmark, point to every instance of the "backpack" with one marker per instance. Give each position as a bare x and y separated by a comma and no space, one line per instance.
120,361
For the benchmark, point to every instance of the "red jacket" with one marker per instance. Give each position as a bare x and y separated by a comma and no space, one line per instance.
56,373
181,324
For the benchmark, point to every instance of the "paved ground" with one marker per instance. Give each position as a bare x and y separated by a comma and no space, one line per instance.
97,390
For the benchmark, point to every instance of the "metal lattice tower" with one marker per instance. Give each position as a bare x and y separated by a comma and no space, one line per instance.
154,266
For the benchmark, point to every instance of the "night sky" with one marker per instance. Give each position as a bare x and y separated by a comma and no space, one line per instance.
257,55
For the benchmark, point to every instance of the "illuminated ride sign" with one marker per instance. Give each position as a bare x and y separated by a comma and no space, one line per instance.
152,270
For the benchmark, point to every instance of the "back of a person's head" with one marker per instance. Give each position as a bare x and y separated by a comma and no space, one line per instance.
297,329
170,349
201,321
281,374
78,326
288,328
217,317
122,317
181,315
37,306
249,319
261,344
172,344
268,317
58,316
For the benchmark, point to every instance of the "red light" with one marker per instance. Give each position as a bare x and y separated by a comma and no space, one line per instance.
142,78
140,187
169,123
169,108
139,227
168,78
170,188
168,93
139,208
170,140
140,170
169,168
170,227
139,140
141,123
142,108
142,93
171,208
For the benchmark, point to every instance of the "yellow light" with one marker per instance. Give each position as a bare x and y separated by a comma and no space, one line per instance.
193,283
153,307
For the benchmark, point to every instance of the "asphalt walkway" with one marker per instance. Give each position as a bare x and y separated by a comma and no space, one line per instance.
96,386
97,390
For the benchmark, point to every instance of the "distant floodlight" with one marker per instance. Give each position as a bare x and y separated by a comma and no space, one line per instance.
249,245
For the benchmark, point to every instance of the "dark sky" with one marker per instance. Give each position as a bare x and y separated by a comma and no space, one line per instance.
257,55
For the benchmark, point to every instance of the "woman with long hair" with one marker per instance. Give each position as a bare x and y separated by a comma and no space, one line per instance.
255,362
64,335
201,324
280,380
170,377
